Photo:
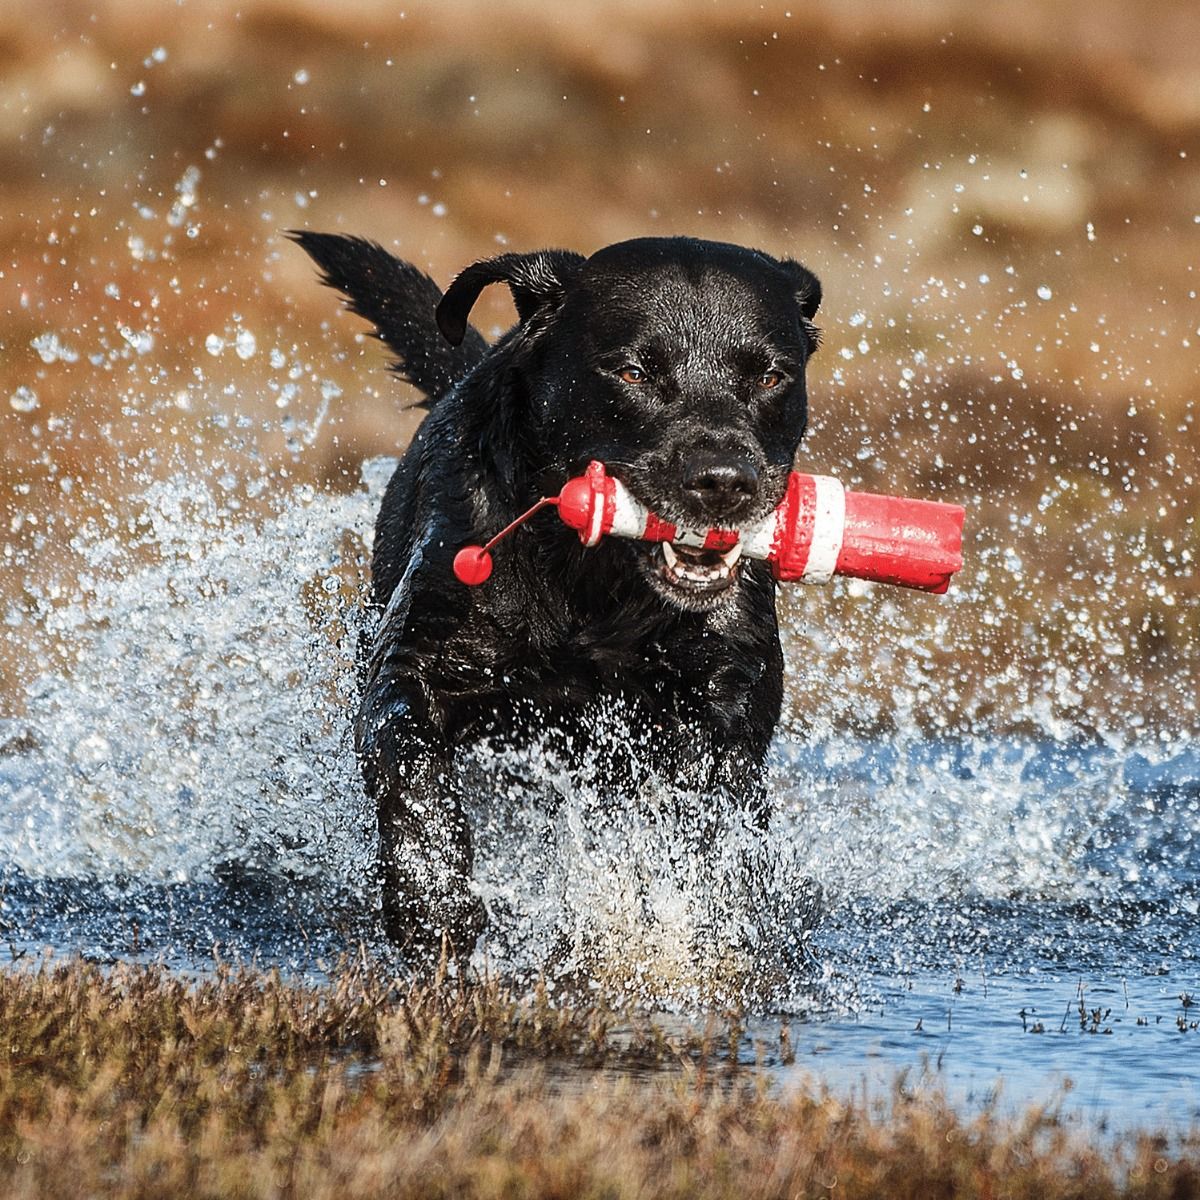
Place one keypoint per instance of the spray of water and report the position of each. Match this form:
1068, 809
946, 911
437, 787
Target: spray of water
203, 735
201, 740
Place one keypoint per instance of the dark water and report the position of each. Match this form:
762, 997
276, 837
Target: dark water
1000, 914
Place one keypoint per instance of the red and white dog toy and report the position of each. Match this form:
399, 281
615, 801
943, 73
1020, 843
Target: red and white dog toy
817, 531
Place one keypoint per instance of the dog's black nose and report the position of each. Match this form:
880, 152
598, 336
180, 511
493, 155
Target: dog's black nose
719, 486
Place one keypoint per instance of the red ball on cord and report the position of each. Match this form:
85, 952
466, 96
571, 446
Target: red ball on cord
576, 500
472, 565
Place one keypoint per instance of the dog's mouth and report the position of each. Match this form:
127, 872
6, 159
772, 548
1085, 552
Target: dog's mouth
697, 570
691, 578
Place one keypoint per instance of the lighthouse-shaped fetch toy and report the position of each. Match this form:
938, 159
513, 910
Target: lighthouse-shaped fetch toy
817, 531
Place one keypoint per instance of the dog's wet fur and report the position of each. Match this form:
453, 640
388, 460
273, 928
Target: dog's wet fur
679, 364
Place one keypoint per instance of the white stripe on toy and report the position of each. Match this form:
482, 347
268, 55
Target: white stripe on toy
759, 538
629, 515
595, 525
829, 527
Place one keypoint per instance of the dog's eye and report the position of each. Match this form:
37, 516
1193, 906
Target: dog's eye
769, 380
631, 374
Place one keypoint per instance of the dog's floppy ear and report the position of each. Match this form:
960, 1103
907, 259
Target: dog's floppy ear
537, 282
808, 295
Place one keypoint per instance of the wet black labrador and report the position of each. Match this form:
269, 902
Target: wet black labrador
680, 365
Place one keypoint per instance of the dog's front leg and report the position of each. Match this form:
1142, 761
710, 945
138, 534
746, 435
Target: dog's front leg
425, 850
424, 840
745, 698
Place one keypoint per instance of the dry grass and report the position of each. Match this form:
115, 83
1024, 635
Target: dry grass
136, 1083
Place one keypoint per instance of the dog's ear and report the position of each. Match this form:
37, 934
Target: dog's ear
537, 281
807, 289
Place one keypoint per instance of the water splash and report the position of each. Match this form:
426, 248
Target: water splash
195, 759
671, 896
202, 739
204, 718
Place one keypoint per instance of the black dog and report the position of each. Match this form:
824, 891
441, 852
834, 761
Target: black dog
680, 365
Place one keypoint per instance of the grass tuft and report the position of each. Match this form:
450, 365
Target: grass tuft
135, 1082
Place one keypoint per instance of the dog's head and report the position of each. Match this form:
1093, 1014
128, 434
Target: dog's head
679, 364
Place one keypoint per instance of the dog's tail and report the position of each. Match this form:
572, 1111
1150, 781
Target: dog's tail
399, 300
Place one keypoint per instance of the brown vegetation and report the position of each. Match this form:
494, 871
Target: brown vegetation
133, 1082
906, 153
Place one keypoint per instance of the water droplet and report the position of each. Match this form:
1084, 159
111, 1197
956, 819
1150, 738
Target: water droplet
23, 400
1044, 293
141, 340
51, 350
245, 344
92, 750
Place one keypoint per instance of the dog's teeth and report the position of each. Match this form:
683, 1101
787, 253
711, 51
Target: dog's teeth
683, 568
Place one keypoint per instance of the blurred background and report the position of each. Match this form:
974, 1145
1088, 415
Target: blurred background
1003, 203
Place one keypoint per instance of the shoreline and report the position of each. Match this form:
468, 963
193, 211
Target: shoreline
135, 1081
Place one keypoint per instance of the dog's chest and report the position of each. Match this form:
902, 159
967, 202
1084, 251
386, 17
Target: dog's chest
688, 674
